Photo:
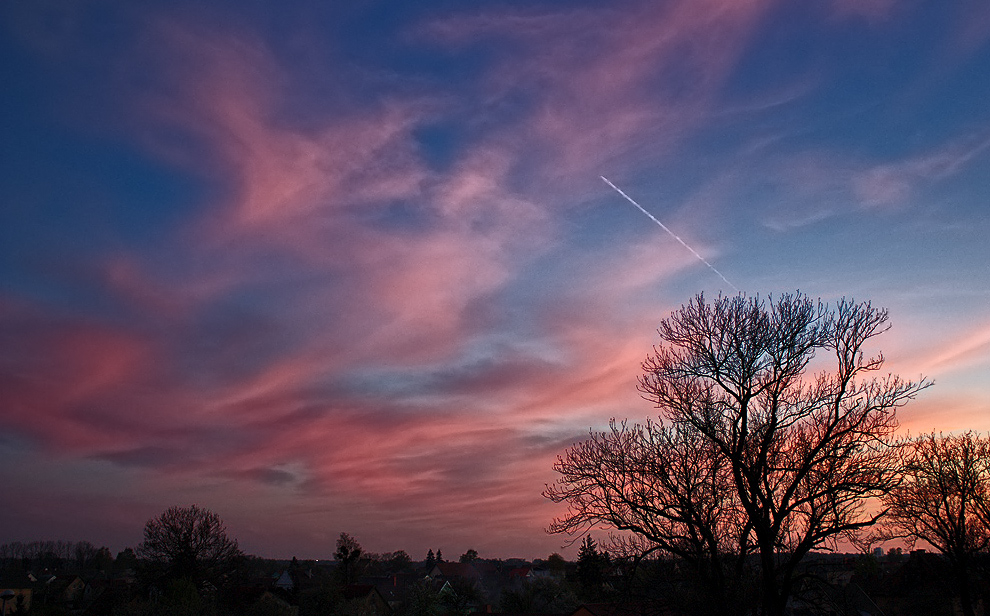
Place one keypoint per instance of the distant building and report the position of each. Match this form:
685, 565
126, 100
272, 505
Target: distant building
449, 571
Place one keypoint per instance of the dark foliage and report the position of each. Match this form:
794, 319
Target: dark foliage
592, 569
348, 555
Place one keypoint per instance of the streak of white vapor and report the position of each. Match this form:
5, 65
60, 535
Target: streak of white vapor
671, 233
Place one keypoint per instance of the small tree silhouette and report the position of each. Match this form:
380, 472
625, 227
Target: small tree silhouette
348, 554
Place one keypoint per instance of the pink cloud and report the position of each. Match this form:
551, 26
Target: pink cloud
228, 90
65, 390
960, 352
946, 411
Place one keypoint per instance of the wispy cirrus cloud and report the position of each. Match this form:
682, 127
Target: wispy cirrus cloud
820, 184
894, 183
588, 87
221, 371
394, 297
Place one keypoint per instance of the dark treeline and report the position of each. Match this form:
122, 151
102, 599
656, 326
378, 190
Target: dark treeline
188, 564
56, 554
621, 582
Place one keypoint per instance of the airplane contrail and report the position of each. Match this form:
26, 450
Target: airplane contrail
671, 233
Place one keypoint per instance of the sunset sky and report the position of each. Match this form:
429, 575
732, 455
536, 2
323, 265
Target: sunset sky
330, 267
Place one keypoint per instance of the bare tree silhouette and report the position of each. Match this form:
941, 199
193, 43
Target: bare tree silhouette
753, 454
189, 542
944, 500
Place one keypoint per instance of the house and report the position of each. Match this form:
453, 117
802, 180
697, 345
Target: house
15, 593
521, 573
104, 597
259, 598
394, 588
62, 589
285, 582
365, 600
450, 571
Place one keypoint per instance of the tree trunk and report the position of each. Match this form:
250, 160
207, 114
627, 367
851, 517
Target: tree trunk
773, 603
965, 596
